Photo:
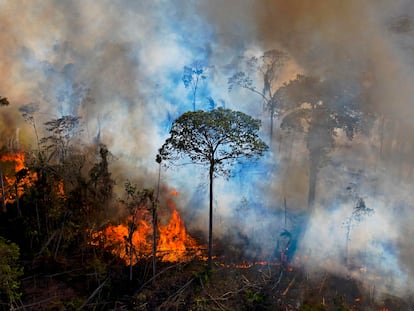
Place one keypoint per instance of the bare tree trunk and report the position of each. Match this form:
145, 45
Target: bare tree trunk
38, 218
272, 111
130, 260
210, 229
348, 238
382, 125
3, 192
131, 230
155, 222
195, 93
313, 172
154, 238
60, 236
16, 188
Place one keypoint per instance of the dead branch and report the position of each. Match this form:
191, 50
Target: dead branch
35, 303
289, 286
216, 302
266, 276
47, 243
96, 291
278, 280
157, 275
174, 297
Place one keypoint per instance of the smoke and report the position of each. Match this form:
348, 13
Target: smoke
118, 65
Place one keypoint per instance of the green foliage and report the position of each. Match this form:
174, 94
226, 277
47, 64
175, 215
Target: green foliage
318, 307
216, 138
10, 271
253, 297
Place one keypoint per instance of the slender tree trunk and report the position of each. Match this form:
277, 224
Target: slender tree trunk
348, 238
38, 218
37, 136
16, 187
131, 231
155, 222
313, 172
130, 261
154, 238
210, 228
195, 94
272, 111
3, 193
382, 130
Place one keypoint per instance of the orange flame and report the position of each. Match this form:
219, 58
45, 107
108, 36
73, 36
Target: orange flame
174, 244
22, 181
116, 239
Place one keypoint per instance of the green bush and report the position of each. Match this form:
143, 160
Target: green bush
10, 271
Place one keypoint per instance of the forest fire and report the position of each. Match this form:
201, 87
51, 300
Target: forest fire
17, 177
174, 244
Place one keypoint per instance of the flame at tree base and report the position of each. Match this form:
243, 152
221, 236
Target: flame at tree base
174, 244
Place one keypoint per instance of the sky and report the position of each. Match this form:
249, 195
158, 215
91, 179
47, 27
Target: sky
118, 65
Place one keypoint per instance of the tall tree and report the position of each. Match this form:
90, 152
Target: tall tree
3, 102
28, 112
318, 108
192, 76
268, 67
215, 139
62, 132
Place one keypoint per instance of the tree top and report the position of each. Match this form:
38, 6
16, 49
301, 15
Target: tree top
218, 137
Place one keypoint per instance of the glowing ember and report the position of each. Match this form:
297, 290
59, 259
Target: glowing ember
60, 189
20, 179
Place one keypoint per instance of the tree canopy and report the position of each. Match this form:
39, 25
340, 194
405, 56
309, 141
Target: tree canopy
218, 137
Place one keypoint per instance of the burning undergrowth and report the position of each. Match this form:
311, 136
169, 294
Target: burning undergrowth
134, 233
17, 177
